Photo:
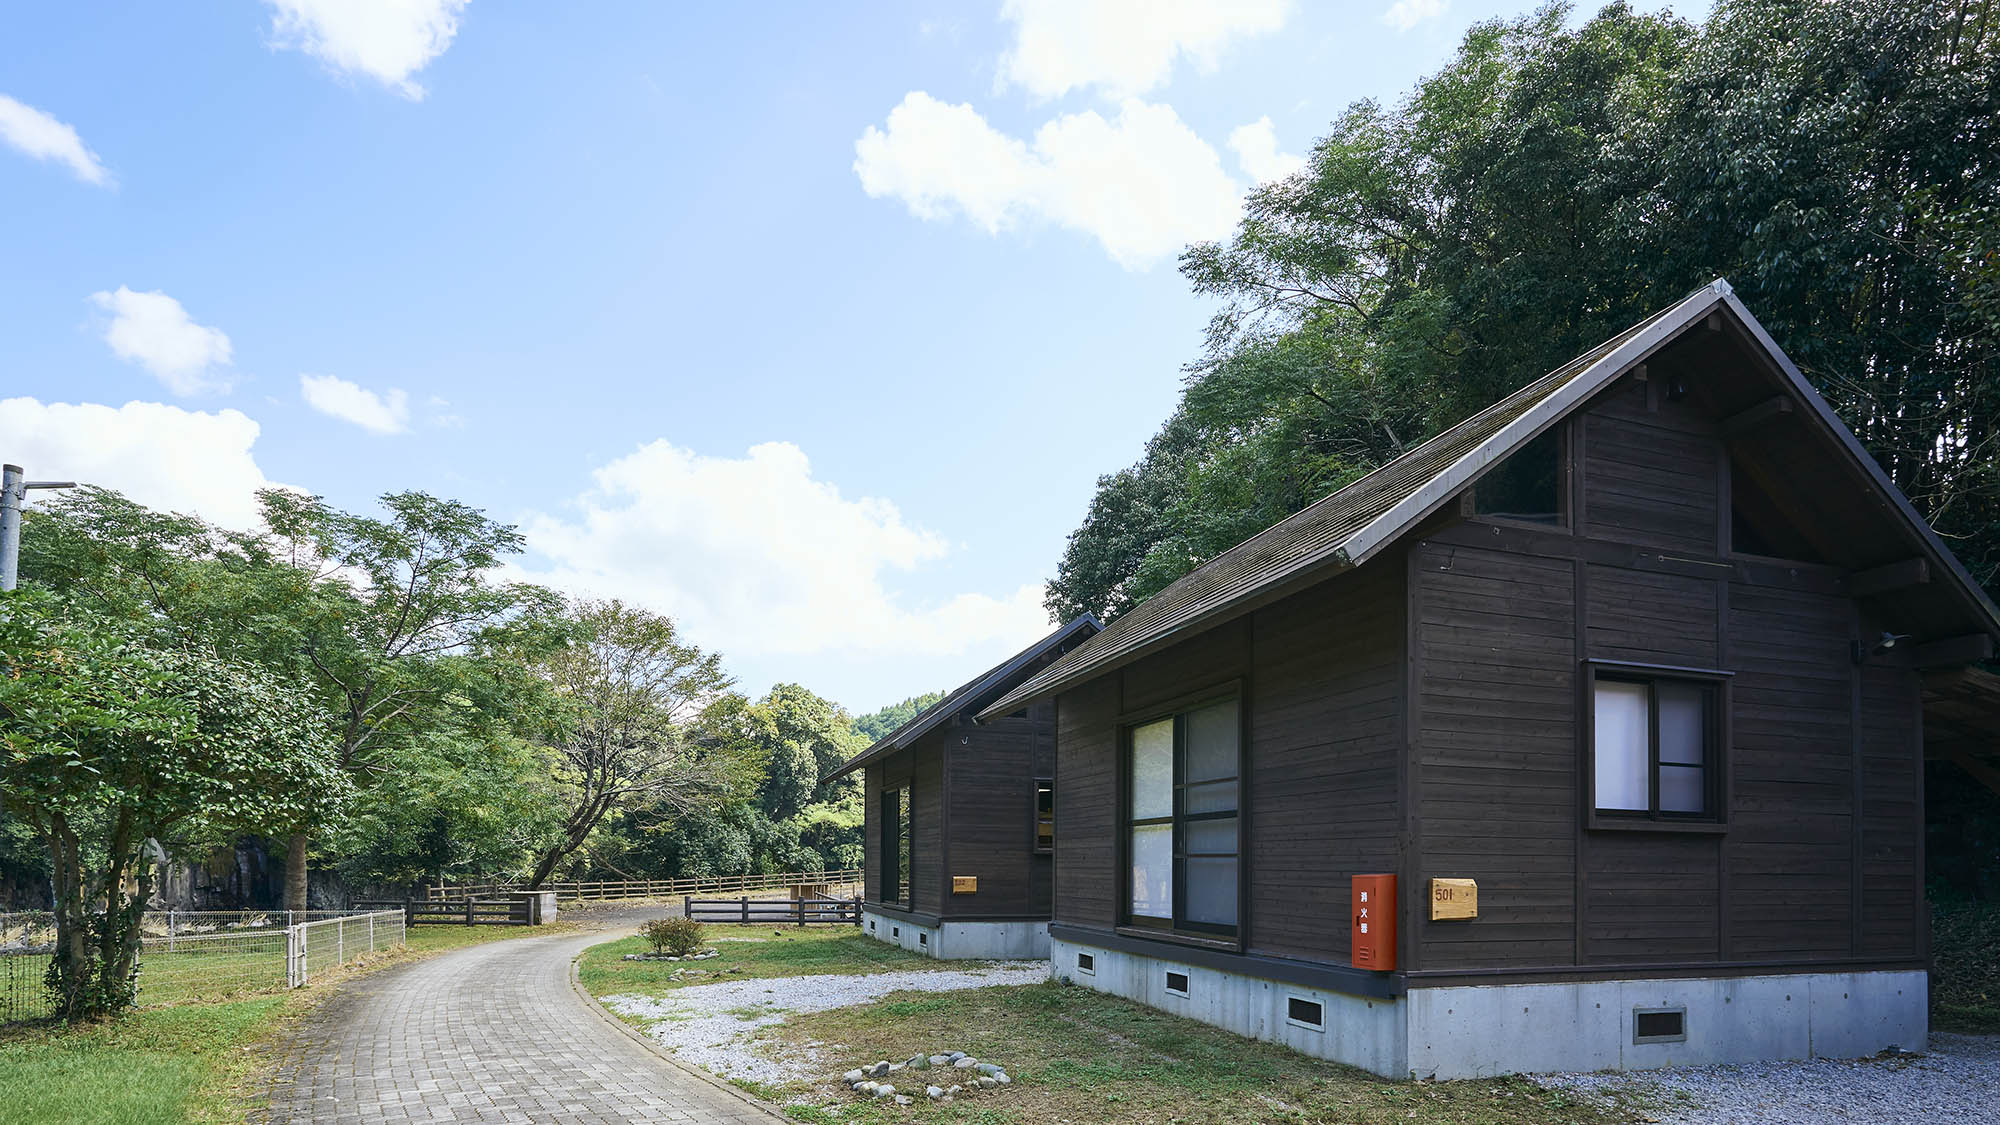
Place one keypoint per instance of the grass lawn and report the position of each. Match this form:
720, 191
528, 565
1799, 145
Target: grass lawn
190, 1061
747, 953
1077, 1055
1965, 988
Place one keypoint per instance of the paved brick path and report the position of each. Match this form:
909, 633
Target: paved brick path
489, 1033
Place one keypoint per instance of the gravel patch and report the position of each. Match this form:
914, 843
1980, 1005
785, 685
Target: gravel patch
712, 1025
1957, 1081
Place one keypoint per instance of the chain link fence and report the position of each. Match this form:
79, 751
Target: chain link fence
201, 955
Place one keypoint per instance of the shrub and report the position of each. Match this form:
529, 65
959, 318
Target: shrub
677, 936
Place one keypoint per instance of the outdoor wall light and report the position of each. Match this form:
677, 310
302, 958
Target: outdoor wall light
1884, 644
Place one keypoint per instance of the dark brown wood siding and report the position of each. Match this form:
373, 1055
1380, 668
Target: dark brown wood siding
1325, 721
1818, 860
1321, 674
1086, 814
924, 774
992, 791
1495, 753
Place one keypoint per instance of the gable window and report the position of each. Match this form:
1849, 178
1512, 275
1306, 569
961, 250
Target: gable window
897, 840
1528, 485
1181, 820
1655, 745
1045, 814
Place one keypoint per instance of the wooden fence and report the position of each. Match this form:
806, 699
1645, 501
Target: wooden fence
774, 911
802, 884
465, 912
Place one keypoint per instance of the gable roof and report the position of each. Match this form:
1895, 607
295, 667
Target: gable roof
1008, 673
1356, 523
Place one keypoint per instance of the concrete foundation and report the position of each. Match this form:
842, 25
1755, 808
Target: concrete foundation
1479, 1030
961, 941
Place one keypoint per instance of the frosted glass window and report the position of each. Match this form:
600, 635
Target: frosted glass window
1683, 722
1682, 789
1211, 837
1153, 770
1212, 735
1624, 736
1153, 871
1211, 891
1213, 796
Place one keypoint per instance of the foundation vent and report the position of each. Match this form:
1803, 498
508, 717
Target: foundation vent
1309, 1014
923, 938
1177, 984
1659, 1025
1086, 963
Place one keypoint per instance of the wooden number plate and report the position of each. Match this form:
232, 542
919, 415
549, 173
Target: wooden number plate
964, 884
1454, 898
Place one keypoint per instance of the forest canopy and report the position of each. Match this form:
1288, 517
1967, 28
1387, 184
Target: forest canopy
1553, 184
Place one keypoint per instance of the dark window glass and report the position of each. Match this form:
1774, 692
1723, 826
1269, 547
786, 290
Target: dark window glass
1527, 485
897, 841
1045, 815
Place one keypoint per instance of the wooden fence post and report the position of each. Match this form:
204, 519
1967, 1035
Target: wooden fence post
468, 910
687, 906
746, 909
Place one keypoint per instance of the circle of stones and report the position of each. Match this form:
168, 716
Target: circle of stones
967, 1076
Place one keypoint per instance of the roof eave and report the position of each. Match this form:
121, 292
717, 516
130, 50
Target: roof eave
926, 721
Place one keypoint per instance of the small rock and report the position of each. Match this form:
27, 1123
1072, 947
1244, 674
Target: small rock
1002, 1078
894, 1067
940, 1060
933, 1092
918, 1062
879, 1069
988, 1068
884, 1090
851, 1077
903, 1099
964, 1063
866, 1087
954, 1056
953, 1090
986, 1083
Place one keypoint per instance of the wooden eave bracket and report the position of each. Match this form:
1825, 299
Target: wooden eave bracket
1981, 772
1743, 421
1969, 649
1891, 576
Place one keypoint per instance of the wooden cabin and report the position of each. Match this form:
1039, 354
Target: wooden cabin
1585, 735
961, 818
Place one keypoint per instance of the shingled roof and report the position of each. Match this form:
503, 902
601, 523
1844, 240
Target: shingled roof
1351, 526
974, 691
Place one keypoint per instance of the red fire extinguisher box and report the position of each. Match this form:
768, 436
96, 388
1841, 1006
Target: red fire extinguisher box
1374, 935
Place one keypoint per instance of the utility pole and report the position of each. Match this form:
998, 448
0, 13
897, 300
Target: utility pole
13, 490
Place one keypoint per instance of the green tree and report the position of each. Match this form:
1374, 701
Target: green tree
874, 725
114, 742
397, 600
626, 689
1552, 185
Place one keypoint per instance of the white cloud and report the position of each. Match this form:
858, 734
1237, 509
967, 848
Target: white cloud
155, 332
387, 413
1143, 184
160, 455
43, 137
1126, 47
388, 40
1406, 14
1256, 148
760, 555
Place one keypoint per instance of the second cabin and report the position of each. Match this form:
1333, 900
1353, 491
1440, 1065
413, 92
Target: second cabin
961, 818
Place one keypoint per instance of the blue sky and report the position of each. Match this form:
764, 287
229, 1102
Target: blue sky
812, 325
